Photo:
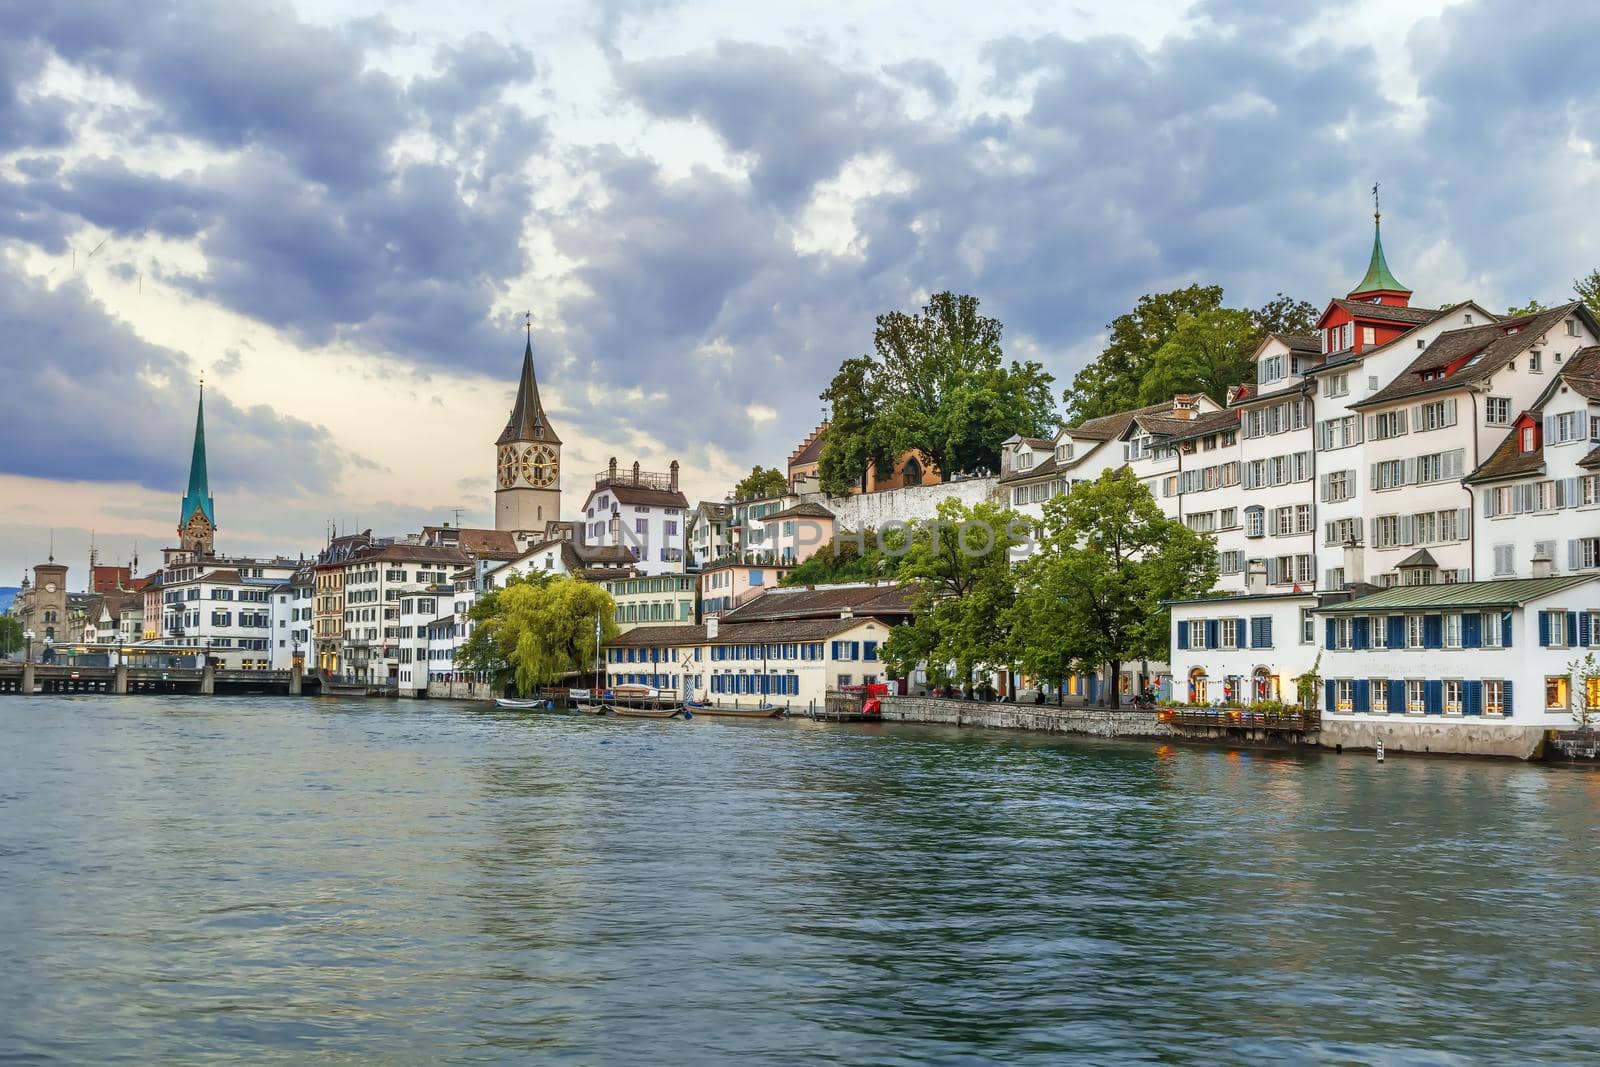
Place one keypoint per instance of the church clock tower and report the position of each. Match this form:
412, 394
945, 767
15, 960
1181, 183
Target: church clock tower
527, 460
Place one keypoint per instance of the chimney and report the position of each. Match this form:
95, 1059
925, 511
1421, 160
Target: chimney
1543, 565
674, 470
1255, 576
1354, 564
847, 612
1183, 406
635, 472
711, 627
611, 470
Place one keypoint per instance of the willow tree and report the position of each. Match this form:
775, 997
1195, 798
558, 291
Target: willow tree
538, 630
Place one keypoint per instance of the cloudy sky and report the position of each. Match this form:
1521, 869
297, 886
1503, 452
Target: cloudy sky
337, 212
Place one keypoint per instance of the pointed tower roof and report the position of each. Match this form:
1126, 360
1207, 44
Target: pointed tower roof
198, 496
527, 422
1378, 279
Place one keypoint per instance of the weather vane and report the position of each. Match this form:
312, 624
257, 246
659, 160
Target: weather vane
528, 322
1375, 210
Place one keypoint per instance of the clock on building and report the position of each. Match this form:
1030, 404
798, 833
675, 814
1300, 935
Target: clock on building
49, 587
508, 466
539, 466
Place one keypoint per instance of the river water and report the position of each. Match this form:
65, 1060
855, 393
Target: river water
187, 879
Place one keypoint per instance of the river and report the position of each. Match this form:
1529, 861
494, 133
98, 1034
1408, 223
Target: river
189, 879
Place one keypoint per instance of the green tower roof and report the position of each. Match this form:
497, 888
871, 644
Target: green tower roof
1378, 279
198, 495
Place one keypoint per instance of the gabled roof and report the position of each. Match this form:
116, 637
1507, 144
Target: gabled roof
1111, 427
1362, 309
485, 544
1508, 460
1582, 372
806, 510
1298, 342
1044, 467
628, 493
823, 601
1505, 593
734, 633
1591, 462
811, 450
1484, 349
1420, 558
1208, 423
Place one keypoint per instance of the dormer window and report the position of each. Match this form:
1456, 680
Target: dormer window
1271, 370
1530, 439
1024, 461
1064, 451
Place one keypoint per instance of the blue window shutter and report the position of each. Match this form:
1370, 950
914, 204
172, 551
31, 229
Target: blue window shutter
1397, 631
1544, 629
1470, 628
1329, 629
1397, 696
1472, 698
1433, 631
1211, 633
1266, 633
1505, 697
1433, 697
1363, 694
1359, 629
1572, 626
1183, 635
1583, 628
1505, 630
1327, 688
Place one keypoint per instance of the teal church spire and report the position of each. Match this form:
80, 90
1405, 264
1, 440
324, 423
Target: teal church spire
1378, 279
198, 496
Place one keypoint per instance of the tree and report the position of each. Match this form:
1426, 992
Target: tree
957, 570
1587, 289
538, 630
10, 635
1532, 307
1107, 560
1585, 673
761, 482
1284, 314
1208, 352
1115, 380
842, 560
936, 384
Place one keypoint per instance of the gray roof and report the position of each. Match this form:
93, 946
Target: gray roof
1505, 593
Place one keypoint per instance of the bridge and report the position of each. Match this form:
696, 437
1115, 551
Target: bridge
25, 678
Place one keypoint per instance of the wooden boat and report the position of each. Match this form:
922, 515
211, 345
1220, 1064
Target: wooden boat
645, 702
525, 705
668, 711
753, 711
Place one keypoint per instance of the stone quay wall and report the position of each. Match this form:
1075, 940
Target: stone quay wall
1456, 737
1043, 718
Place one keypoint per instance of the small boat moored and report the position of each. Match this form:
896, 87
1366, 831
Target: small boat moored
722, 711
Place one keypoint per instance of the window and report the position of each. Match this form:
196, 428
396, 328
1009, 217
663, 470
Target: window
1572, 327
1229, 633
1414, 631
1535, 362
1308, 627
1380, 696
1489, 632
1228, 519
1497, 410
1255, 521
1024, 461
1452, 631
1452, 696
1378, 631
1333, 578
1416, 697
1556, 692
1338, 485
1336, 385
1434, 416
1271, 370
1583, 553
1494, 696
1230, 562
1388, 424
1344, 695
1553, 627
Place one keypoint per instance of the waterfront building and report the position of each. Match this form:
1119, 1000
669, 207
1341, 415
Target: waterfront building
374, 581
223, 607
327, 606
41, 606
643, 511
527, 460
652, 598
1243, 647
1538, 492
418, 642
794, 661
728, 583
1465, 667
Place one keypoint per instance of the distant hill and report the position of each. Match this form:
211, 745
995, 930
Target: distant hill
8, 593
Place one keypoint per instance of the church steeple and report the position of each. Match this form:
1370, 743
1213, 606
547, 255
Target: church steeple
197, 517
1378, 278
527, 422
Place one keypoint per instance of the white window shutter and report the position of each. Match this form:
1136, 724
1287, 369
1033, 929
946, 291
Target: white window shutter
1358, 528
1463, 523
1572, 555
1450, 411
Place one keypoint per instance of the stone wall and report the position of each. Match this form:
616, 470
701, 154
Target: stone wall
1456, 737
1045, 718
461, 691
914, 503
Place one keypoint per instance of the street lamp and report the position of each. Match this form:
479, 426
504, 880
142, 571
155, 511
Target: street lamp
28, 636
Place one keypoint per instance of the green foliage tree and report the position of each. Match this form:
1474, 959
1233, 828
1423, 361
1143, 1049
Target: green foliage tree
10, 635
1115, 380
1207, 352
1532, 307
1585, 697
936, 384
1284, 314
958, 573
761, 482
1587, 289
843, 560
1107, 559
537, 630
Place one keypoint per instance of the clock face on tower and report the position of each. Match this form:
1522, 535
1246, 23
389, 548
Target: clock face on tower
49, 587
508, 466
539, 466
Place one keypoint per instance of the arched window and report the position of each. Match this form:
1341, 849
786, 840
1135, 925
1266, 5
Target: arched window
912, 472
